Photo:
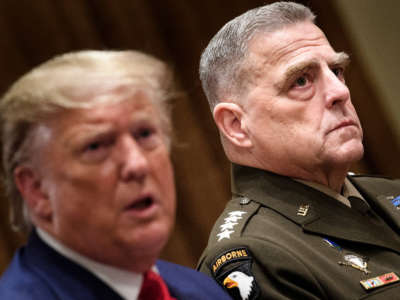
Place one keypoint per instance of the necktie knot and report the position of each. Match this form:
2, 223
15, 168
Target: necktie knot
154, 288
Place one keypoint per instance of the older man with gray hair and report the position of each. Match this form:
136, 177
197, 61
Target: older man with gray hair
298, 226
86, 157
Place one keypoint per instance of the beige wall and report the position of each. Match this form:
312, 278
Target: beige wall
373, 27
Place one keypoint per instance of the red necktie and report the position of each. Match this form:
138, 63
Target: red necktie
154, 288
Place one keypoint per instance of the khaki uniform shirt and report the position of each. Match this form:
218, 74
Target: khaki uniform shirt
281, 239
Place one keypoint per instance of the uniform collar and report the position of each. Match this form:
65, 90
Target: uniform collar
348, 190
127, 284
315, 211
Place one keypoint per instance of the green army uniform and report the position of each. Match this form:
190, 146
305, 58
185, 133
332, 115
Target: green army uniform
281, 239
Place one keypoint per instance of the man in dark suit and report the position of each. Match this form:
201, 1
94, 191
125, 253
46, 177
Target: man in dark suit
86, 144
298, 226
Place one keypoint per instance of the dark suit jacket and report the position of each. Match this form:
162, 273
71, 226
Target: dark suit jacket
39, 272
295, 240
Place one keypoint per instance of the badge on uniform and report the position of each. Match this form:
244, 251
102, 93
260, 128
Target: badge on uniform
356, 261
379, 281
232, 270
395, 201
350, 259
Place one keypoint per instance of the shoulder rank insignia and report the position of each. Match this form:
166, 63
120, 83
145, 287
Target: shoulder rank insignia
229, 224
236, 278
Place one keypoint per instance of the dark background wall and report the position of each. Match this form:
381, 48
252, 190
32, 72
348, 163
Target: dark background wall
176, 31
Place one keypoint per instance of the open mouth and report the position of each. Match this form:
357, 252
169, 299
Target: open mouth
141, 204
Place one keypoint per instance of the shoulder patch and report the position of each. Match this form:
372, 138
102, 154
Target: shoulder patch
238, 280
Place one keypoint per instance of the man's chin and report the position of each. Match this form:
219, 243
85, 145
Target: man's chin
347, 154
151, 239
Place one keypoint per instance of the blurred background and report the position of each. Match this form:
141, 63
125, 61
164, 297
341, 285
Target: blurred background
176, 31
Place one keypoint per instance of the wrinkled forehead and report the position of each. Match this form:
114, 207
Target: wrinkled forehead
270, 47
268, 50
133, 108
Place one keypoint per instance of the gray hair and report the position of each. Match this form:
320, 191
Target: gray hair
221, 61
66, 82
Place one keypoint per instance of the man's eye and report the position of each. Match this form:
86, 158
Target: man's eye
148, 137
97, 146
338, 71
301, 81
96, 151
144, 133
93, 146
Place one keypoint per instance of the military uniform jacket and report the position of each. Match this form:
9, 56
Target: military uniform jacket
280, 239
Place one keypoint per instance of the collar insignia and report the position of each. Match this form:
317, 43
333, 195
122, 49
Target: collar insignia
303, 210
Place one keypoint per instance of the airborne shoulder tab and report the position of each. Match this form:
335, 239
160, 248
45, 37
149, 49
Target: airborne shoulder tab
230, 256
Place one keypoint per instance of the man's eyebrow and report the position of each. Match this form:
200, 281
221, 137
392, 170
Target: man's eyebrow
295, 70
84, 132
341, 59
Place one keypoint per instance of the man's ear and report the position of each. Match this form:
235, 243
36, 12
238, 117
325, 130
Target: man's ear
229, 118
30, 187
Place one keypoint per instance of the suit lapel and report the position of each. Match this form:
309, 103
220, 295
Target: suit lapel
311, 209
67, 279
383, 194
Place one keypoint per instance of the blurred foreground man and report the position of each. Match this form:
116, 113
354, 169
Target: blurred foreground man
86, 139
298, 226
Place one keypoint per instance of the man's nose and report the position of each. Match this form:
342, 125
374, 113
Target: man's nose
336, 90
134, 162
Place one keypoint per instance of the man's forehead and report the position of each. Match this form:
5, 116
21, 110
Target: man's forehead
271, 47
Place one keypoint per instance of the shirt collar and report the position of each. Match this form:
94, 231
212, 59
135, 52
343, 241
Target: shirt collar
127, 284
349, 190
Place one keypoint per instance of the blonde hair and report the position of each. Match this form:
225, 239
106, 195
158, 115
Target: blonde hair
70, 81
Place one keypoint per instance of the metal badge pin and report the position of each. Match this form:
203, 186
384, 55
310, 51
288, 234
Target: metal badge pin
303, 210
355, 261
